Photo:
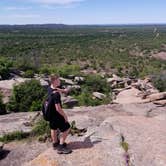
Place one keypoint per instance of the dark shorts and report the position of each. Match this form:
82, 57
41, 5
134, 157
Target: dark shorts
59, 123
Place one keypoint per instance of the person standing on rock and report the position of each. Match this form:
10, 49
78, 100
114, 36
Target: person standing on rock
58, 118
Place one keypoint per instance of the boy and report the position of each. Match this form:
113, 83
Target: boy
58, 118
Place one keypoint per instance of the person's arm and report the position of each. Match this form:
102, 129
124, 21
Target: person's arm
60, 111
63, 90
57, 102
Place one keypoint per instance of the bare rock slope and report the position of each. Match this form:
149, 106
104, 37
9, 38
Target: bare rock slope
117, 135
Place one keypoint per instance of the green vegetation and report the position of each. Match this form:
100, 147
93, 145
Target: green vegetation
67, 50
17, 135
126, 50
159, 81
41, 128
27, 96
29, 74
5, 65
125, 146
94, 83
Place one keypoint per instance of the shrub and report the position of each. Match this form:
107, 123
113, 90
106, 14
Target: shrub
29, 74
93, 83
40, 128
5, 65
159, 81
66, 70
96, 83
26, 97
85, 98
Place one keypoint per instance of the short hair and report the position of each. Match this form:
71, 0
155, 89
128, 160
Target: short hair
54, 77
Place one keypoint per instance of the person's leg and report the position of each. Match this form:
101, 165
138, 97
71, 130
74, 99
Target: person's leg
63, 149
54, 136
64, 136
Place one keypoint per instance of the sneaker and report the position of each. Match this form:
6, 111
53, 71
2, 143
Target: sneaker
65, 144
55, 145
63, 149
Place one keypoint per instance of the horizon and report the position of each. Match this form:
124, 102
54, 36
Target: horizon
82, 12
127, 24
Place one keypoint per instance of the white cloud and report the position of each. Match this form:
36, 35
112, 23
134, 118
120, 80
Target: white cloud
17, 8
26, 16
58, 2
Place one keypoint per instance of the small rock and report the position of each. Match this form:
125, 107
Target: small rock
99, 95
67, 81
71, 76
44, 83
114, 78
74, 87
79, 79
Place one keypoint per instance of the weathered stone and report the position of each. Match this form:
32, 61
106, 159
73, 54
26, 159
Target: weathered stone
16, 122
99, 95
114, 78
69, 101
106, 124
157, 96
74, 87
146, 138
129, 96
43, 82
160, 102
8, 84
67, 81
79, 79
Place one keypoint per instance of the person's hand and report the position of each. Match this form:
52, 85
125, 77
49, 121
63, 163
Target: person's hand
66, 90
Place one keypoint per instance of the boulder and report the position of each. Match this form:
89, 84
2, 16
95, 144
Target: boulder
129, 96
43, 82
16, 122
127, 81
160, 102
71, 76
8, 84
69, 101
74, 87
157, 96
114, 78
99, 95
67, 81
146, 138
79, 79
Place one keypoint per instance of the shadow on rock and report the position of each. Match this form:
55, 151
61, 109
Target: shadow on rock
82, 144
3, 154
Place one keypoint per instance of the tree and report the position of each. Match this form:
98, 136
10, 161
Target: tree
27, 96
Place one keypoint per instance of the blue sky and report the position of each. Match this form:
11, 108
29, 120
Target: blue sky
82, 11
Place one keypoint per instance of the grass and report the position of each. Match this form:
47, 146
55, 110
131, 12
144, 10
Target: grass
41, 130
17, 135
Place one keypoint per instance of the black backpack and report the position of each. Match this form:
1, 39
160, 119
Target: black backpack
46, 107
